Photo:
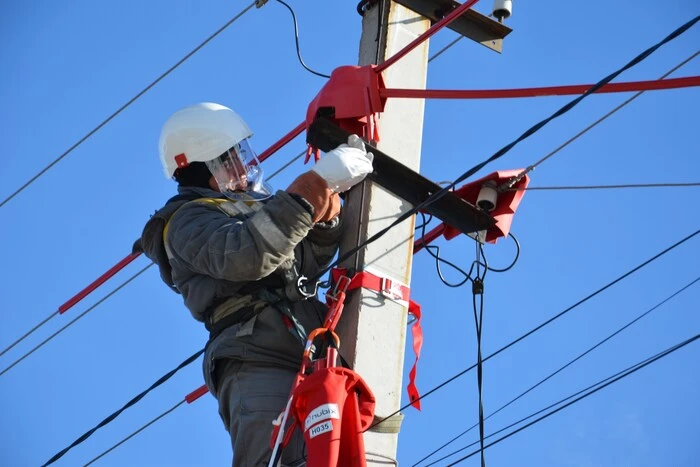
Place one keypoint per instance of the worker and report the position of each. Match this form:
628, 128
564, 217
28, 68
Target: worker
238, 253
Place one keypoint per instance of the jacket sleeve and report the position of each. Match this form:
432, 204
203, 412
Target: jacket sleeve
324, 239
206, 241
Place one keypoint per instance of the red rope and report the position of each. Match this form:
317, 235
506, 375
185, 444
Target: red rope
97, 282
426, 35
652, 85
284, 140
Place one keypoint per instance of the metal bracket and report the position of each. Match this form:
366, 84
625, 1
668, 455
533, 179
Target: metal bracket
412, 187
471, 24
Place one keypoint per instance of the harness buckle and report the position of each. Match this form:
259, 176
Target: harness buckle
390, 289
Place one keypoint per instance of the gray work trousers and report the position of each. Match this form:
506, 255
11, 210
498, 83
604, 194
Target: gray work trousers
251, 395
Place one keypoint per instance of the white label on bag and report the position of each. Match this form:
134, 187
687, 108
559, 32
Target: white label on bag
322, 412
321, 428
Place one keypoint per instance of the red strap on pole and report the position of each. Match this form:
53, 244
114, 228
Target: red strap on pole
417, 332
398, 292
97, 282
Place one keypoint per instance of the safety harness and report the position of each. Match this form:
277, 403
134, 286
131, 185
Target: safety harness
276, 290
331, 405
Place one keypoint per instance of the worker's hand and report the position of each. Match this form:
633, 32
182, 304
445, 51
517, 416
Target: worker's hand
333, 209
315, 191
345, 166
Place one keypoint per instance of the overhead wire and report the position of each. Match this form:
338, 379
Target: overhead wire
143, 427
597, 387
607, 187
296, 40
500, 153
119, 287
127, 104
673, 35
546, 323
560, 369
41, 344
133, 401
604, 117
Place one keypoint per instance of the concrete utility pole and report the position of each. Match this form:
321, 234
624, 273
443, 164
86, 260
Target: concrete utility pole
373, 329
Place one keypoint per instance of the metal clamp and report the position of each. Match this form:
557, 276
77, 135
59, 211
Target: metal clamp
297, 291
390, 289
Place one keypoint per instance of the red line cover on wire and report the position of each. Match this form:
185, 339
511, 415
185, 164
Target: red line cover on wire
426, 35
97, 282
652, 85
196, 394
284, 140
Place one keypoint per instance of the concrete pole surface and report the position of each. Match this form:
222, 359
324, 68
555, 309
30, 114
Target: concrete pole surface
373, 328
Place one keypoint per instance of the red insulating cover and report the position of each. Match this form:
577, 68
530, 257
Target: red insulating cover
333, 406
354, 94
507, 202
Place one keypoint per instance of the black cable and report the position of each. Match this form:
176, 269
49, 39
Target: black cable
296, 40
123, 107
500, 153
124, 440
436, 254
615, 379
547, 322
515, 260
478, 289
133, 401
554, 373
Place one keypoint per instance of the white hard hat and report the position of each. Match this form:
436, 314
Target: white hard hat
199, 133
217, 136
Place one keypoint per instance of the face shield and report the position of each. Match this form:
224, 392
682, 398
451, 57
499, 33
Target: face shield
239, 174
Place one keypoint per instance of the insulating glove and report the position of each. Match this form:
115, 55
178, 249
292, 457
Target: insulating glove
345, 166
313, 189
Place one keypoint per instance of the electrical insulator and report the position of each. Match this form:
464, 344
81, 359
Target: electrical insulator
502, 9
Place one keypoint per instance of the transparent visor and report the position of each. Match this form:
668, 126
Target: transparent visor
239, 174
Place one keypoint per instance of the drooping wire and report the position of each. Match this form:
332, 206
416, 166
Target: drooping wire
129, 102
434, 251
556, 372
41, 344
596, 387
133, 401
545, 323
500, 153
296, 41
601, 119
478, 291
515, 260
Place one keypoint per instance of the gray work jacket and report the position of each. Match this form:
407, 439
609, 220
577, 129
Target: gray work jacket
214, 249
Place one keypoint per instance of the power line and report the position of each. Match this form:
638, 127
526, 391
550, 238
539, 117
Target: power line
28, 333
554, 373
41, 344
603, 118
547, 322
133, 401
534, 129
123, 107
296, 41
607, 187
104, 453
600, 385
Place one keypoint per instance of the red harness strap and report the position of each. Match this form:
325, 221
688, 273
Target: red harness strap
400, 293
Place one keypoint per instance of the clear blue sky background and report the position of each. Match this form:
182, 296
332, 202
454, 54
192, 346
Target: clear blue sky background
67, 65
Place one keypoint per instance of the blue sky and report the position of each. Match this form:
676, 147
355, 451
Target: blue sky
68, 66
